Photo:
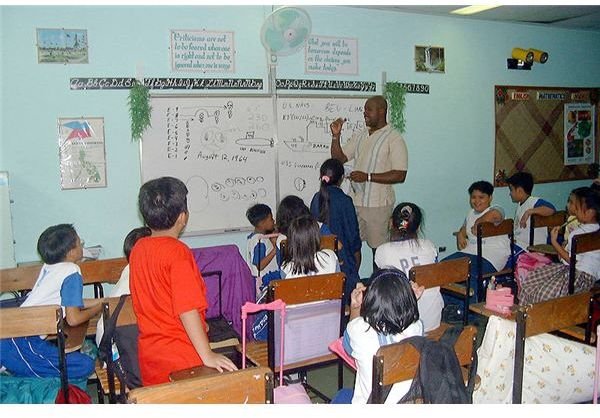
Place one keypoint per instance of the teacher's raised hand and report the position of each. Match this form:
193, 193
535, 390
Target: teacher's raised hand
336, 127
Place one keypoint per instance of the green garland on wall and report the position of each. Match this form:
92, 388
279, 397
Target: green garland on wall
395, 95
139, 109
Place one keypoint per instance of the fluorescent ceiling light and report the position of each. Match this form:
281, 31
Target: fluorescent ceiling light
469, 10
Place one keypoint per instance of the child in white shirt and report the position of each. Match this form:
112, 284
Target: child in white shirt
551, 281
407, 250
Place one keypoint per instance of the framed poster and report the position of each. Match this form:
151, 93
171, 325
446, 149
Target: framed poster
201, 50
62, 46
579, 130
81, 152
331, 55
430, 59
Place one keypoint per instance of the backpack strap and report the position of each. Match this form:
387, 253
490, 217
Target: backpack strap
449, 337
105, 347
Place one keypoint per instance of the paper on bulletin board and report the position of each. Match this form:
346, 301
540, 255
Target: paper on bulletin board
579, 133
82, 154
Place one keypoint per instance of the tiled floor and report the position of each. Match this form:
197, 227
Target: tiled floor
325, 380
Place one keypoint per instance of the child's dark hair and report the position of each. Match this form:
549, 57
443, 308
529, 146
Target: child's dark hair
133, 237
257, 213
161, 202
590, 198
290, 208
482, 186
303, 242
389, 304
332, 172
55, 242
406, 221
523, 180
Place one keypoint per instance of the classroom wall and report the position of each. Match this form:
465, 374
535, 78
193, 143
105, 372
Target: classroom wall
449, 133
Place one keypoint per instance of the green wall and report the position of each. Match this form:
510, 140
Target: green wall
449, 133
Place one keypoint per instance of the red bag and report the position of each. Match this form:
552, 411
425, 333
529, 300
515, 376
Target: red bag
76, 395
290, 394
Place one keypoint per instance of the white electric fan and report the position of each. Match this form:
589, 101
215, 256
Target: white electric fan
285, 31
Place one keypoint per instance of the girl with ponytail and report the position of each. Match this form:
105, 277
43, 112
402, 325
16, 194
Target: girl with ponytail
334, 208
406, 250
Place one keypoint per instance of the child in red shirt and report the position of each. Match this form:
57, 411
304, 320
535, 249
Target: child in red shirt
167, 290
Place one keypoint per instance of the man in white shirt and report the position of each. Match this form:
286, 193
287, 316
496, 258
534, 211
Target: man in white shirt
380, 161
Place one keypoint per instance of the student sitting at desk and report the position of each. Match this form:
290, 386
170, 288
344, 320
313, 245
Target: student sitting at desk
167, 290
290, 208
406, 250
551, 281
122, 286
59, 283
304, 256
383, 313
262, 250
520, 186
496, 250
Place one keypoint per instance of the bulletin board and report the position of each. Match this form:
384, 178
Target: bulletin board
530, 132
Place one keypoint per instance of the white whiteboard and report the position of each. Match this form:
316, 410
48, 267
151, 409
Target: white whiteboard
304, 138
7, 246
232, 153
222, 148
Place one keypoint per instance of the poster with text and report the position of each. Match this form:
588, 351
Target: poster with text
579, 134
82, 154
201, 50
331, 55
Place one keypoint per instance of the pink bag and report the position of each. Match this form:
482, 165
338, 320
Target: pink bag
528, 262
290, 394
338, 348
499, 300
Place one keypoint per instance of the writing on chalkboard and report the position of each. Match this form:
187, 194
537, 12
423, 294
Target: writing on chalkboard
222, 148
305, 138
231, 152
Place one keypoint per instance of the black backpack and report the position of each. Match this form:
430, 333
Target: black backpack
126, 368
438, 379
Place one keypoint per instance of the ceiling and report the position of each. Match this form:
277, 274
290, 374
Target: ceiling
556, 16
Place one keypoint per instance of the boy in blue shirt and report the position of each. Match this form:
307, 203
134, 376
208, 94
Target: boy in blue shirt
59, 283
262, 252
